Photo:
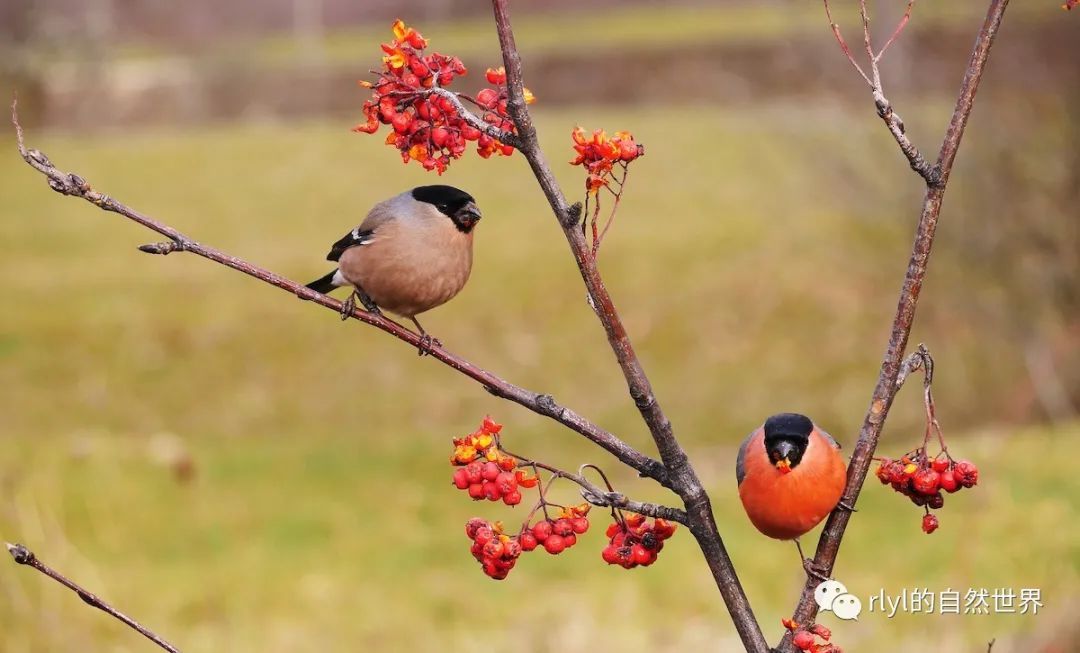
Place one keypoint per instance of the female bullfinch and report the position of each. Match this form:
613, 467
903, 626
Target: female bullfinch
411, 253
791, 476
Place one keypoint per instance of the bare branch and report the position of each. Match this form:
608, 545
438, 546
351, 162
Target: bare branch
886, 388
24, 556
683, 479
74, 185
884, 108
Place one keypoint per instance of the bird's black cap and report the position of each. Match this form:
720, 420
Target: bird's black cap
446, 198
788, 425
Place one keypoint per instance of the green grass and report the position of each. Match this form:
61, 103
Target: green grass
749, 271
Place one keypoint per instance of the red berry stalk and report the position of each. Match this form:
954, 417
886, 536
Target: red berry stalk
916, 475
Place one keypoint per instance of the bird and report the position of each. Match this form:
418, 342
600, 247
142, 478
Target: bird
791, 476
411, 253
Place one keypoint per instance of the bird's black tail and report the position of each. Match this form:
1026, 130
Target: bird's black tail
323, 284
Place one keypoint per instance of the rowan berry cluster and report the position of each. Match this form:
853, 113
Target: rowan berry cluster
556, 535
598, 154
814, 638
428, 127
634, 541
922, 480
484, 471
496, 551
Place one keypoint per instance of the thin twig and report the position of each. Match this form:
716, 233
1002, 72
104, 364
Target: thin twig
885, 110
681, 475
76, 186
896, 32
25, 556
886, 387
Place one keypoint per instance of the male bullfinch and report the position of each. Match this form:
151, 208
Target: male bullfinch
791, 476
411, 253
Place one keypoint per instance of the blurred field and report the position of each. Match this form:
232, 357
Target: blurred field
757, 272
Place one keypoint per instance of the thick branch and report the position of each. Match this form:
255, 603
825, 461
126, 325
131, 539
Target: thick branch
886, 388
71, 184
683, 479
24, 556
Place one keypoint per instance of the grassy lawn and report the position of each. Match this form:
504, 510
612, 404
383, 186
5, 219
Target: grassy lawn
749, 270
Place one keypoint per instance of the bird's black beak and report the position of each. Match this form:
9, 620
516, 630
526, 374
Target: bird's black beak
469, 214
784, 455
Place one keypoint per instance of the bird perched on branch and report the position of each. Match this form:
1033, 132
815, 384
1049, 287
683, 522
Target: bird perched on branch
791, 476
411, 253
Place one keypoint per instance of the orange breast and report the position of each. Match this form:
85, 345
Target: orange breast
785, 506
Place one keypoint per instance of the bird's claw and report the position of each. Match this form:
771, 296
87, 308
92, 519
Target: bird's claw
812, 570
347, 308
427, 345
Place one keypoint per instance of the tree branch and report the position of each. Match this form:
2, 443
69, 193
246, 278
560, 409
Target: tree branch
886, 388
683, 479
76, 186
24, 556
885, 111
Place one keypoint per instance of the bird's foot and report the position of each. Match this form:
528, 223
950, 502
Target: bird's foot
846, 506
369, 304
427, 345
347, 308
813, 571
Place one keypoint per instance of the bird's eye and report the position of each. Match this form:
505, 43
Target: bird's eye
442, 207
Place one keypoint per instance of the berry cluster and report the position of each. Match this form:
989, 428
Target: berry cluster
494, 550
557, 535
428, 127
598, 154
922, 480
484, 471
815, 638
634, 541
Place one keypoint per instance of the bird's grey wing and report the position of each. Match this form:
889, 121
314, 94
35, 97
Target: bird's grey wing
740, 462
379, 215
828, 437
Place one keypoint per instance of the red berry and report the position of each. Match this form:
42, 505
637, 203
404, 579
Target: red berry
610, 554
487, 98
491, 491
402, 122
484, 534
663, 528
554, 544
925, 481
512, 498
641, 555
929, 523
948, 481
474, 470
940, 464
528, 541
511, 548
804, 640
580, 524
563, 527
883, 472
821, 631
967, 474
439, 136
935, 501
493, 548
542, 530
474, 525
612, 529
506, 482
490, 471
461, 478
470, 133
476, 491
570, 540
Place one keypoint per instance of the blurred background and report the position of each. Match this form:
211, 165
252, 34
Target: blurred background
243, 472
